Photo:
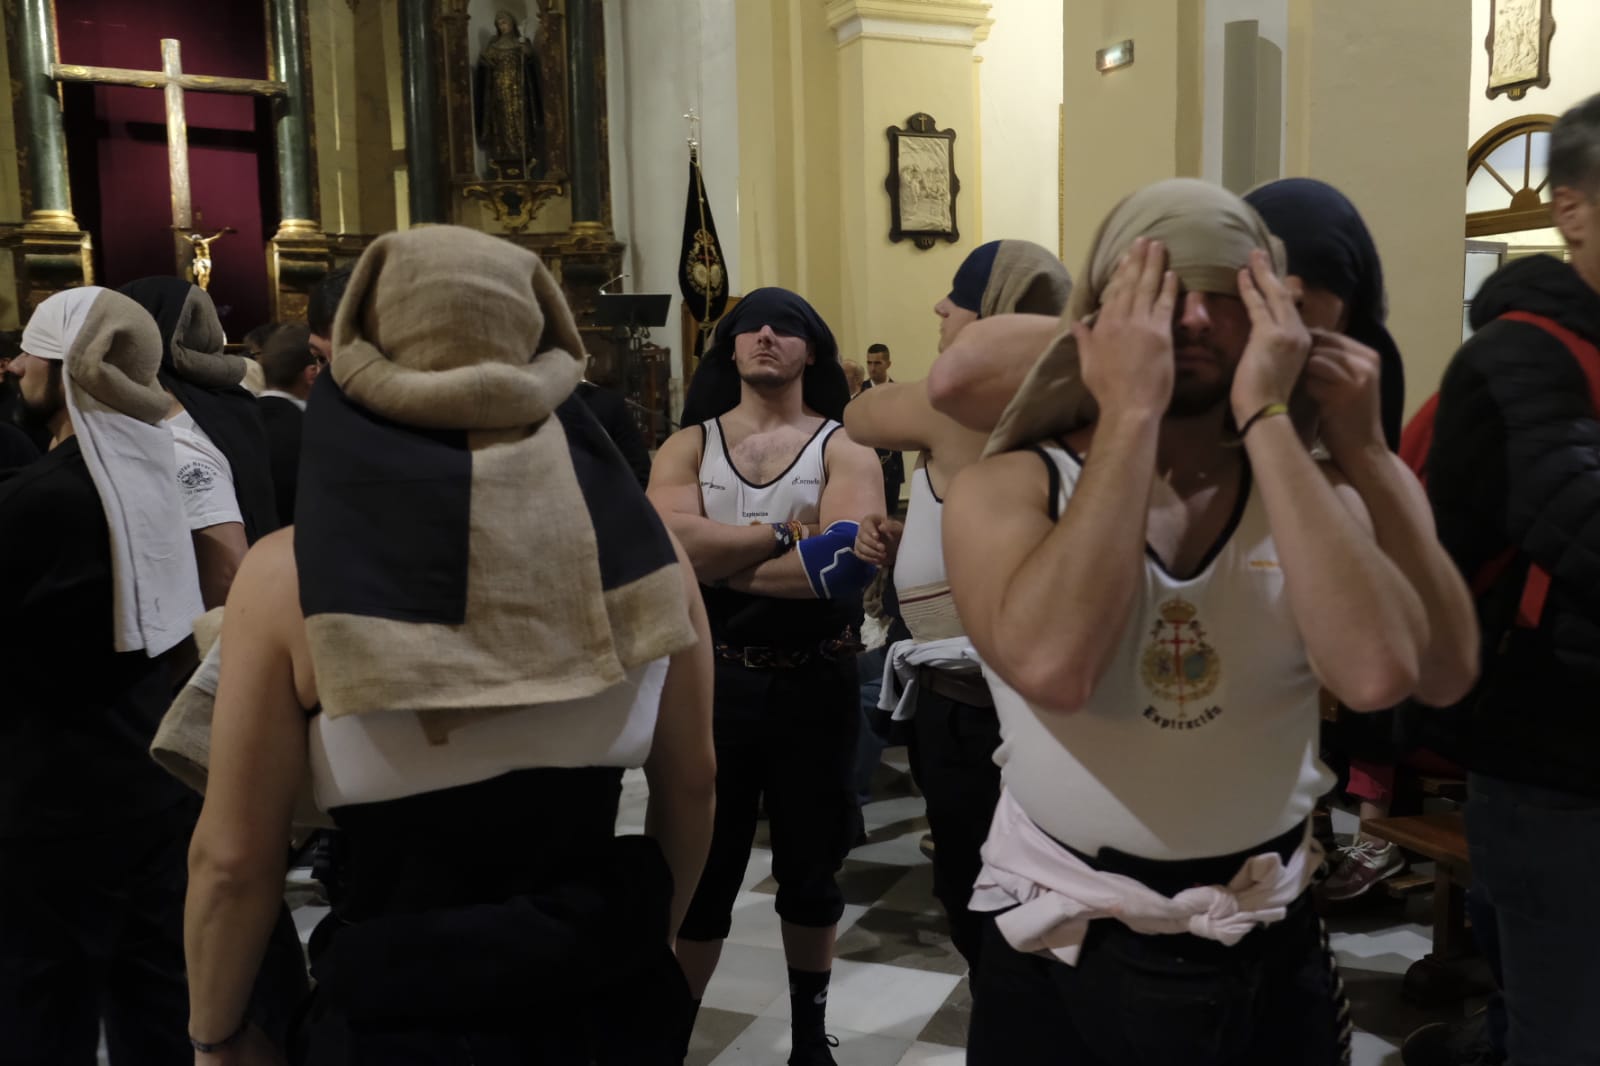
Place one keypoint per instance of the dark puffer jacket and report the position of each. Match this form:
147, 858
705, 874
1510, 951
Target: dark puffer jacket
1516, 461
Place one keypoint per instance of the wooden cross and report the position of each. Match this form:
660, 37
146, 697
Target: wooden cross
174, 82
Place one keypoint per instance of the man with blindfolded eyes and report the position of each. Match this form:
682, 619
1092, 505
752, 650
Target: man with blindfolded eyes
1158, 587
766, 495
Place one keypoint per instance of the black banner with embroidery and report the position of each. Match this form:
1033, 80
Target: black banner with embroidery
702, 272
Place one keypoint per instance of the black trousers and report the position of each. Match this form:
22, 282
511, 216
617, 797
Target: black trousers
1273, 999
952, 748
788, 736
91, 927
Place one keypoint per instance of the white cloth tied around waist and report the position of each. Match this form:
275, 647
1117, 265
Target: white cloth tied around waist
1054, 894
899, 691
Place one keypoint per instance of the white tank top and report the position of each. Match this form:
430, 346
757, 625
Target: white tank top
794, 495
367, 758
919, 575
1201, 738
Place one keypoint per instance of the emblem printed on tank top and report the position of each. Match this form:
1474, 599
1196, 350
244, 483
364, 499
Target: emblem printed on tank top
712, 486
1180, 669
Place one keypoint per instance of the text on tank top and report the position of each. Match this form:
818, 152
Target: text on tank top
1201, 737
794, 495
919, 573
368, 758
739, 618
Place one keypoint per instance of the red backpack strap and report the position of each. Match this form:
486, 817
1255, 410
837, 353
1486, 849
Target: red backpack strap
1537, 588
1417, 438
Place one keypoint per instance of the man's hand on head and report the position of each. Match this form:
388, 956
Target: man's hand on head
1279, 342
1126, 354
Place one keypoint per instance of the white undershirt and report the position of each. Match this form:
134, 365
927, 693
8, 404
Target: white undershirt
1200, 739
205, 480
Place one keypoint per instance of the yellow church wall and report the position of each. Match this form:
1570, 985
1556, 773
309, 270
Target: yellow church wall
1019, 111
1376, 107
351, 71
1126, 128
890, 288
1574, 73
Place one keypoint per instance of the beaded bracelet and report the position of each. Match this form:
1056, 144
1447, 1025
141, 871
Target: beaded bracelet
1266, 412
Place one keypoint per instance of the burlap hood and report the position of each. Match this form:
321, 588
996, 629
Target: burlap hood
468, 539
191, 333
1026, 279
1209, 233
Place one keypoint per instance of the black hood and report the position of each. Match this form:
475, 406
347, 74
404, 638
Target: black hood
715, 389
1545, 286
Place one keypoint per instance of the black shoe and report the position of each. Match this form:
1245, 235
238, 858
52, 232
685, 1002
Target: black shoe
814, 1052
1462, 1043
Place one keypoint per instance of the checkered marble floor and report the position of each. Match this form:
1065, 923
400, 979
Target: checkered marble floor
899, 996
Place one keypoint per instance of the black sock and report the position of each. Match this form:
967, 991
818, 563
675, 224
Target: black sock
808, 1003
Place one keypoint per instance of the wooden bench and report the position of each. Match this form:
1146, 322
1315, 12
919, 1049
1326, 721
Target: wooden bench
1441, 838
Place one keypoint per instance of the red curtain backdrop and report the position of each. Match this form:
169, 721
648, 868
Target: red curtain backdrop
117, 144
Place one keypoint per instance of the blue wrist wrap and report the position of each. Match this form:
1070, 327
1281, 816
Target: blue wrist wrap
831, 564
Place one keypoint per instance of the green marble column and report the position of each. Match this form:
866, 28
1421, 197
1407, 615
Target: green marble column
585, 45
293, 125
420, 92
46, 144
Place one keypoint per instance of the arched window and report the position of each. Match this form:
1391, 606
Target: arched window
1508, 177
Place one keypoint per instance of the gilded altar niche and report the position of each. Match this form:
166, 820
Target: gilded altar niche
509, 111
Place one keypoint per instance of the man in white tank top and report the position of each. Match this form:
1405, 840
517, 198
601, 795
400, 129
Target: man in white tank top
954, 731
1157, 593
765, 493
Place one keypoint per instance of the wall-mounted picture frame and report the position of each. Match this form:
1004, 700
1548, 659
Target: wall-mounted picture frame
1519, 47
922, 182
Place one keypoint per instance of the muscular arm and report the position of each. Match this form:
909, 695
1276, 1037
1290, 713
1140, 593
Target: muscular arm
716, 550
1015, 574
854, 491
682, 767
974, 379
895, 416
1402, 522
258, 764
218, 552
1362, 622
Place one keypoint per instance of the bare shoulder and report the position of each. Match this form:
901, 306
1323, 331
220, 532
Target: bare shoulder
1016, 478
268, 576
680, 452
842, 450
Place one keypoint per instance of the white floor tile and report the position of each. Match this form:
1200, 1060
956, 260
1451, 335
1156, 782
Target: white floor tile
749, 980
306, 919
766, 1042
869, 997
890, 811
921, 1054
758, 869
1388, 951
903, 850
1369, 1050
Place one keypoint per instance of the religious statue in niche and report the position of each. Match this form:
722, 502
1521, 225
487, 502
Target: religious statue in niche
1519, 46
922, 182
508, 103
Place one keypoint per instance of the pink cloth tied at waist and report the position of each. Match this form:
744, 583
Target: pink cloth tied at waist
1054, 895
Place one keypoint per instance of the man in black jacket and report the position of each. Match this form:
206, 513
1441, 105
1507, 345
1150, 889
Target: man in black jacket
288, 369
1514, 473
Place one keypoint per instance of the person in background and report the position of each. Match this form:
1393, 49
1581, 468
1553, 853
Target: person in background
855, 375
290, 370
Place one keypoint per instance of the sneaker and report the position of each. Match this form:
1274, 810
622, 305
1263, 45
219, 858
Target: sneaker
1360, 866
814, 1052
1459, 1043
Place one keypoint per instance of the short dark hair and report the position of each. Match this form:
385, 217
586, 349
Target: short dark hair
285, 356
871, 348
1575, 148
256, 339
325, 297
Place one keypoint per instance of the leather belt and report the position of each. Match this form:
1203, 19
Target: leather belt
964, 687
768, 657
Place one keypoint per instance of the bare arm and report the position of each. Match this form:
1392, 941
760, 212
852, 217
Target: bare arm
1342, 376
682, 767
853, 492
898, 417
258, 764
1361, 620
1010, 565
974, 379
1016, 575
715, 549
218, 551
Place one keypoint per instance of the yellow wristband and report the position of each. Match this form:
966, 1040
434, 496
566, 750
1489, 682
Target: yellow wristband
1266, 412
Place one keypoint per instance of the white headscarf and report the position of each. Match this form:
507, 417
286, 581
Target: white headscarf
109, 346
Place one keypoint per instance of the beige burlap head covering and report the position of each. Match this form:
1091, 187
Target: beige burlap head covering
1026, 279
502, 555
1209, 234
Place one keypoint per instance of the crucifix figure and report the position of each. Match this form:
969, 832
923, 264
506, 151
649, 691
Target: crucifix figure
200, 268
174, 82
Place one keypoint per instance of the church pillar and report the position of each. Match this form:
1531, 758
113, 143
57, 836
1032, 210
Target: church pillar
419, 50
1378, 106
896, 58
293, 127
54, 253
46, 144
586, 88
1126, 128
